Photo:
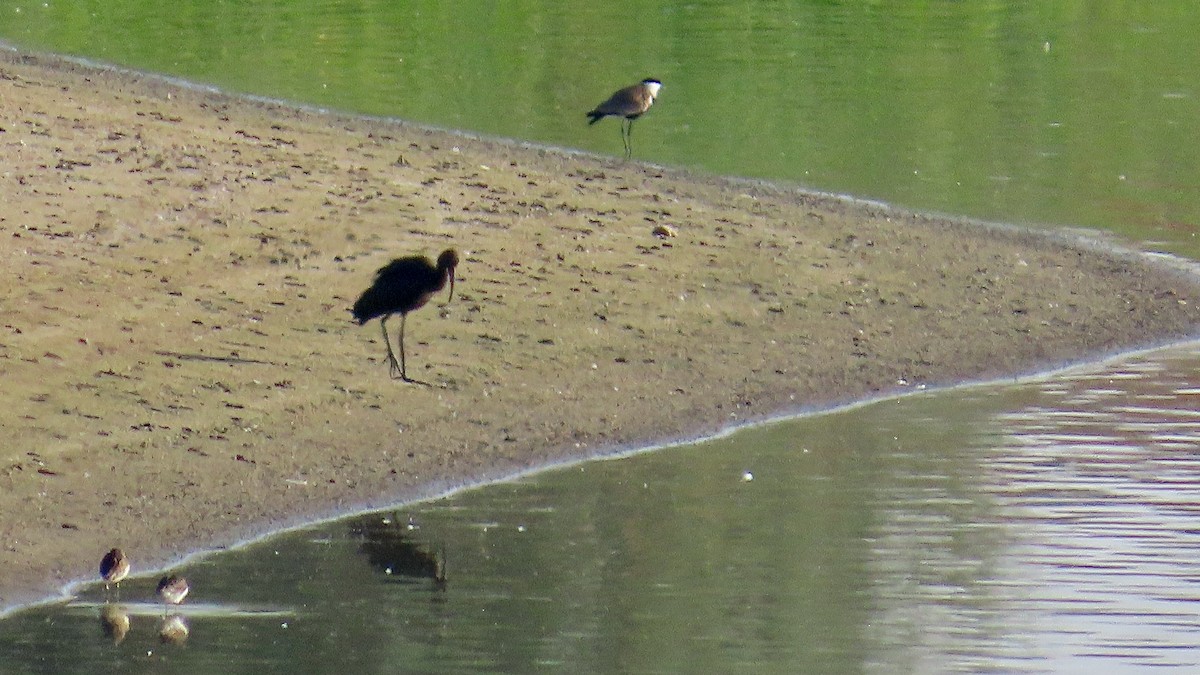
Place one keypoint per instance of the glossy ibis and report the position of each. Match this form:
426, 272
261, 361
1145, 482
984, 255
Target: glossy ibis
400, 287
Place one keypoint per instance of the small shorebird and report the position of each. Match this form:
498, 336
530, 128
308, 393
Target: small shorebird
172, 589
400, 287
630, 103
114, 567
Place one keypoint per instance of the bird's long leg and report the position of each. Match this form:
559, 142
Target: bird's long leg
392, 364
403, 372
625, 137
629, 141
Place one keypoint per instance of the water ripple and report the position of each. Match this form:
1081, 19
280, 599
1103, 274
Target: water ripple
1104, 482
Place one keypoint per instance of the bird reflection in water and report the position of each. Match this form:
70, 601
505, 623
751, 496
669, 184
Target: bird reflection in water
114, 620
390, 548
173, 630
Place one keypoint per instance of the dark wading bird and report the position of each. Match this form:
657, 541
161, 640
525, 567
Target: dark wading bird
400, 287
114, 567
629, 103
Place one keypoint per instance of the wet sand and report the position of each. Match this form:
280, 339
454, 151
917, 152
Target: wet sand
181, 372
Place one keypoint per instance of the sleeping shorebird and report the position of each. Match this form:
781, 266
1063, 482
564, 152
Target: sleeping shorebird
630, 103
114, 567
172, 589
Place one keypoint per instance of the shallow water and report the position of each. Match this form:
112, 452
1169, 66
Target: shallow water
1047, 526
1033, 527
1059, 111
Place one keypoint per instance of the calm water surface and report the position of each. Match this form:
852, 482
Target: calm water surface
1047, 526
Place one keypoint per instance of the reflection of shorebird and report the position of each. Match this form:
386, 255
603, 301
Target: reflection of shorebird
115, 622
114, 567
172, 589
400, 287
630, 103
439, 572
174, 630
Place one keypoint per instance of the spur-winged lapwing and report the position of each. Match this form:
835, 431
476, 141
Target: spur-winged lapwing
629, 103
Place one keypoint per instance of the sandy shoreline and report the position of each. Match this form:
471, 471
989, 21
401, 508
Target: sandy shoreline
181, 370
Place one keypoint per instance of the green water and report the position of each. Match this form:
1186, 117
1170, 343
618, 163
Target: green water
1061, 112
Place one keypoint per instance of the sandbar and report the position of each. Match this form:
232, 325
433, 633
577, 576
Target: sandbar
181, 371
